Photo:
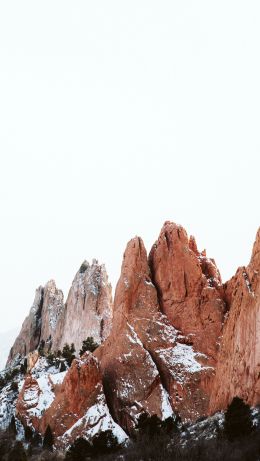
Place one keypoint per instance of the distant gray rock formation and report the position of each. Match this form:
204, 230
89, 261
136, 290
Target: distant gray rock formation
51, 323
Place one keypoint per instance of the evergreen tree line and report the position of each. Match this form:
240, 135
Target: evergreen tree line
153, 440
62, 359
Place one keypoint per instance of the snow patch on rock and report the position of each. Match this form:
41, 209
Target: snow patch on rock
182, 359
97, 419
167, 410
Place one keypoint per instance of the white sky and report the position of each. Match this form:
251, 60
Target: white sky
114, 117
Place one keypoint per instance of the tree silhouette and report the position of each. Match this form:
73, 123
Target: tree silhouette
48, 439
238, 422
88, 345
104, 442
79, 450
149, 425
17, 453
68, 352
12, 426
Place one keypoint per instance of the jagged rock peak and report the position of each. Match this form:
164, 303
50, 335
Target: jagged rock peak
189, 287
87, 312
40, 325
89, 307
146, 363
135, 254
91, 277
180, 341
134, 270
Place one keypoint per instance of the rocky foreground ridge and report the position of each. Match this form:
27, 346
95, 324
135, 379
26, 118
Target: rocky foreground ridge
176, 340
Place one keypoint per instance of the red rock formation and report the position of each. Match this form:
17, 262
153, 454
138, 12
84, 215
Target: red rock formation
72, 406
189, 288
238, 369
162, 354
37, 393
27, 401
144, 365
79, 391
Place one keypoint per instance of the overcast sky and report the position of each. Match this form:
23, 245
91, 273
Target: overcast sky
114, 117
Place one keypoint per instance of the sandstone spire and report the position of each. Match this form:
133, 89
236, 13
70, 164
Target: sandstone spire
40, 327
189, 288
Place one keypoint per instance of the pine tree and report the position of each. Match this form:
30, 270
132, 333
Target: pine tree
149, 425
28, 434
17, 453
79, 450
88, 345
238, 422
12, 426
48, 439
105, 442
51, 359
68, 352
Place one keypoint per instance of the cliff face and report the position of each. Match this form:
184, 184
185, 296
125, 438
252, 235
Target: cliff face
189, 288
51, 323
178, 341
238, 368
88, 310
41, 323
146, 363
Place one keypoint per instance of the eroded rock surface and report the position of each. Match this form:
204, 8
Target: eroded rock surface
238, 369
88, 310
72, 403
176, 341
189, 288
51, 323
41, 323
145, 364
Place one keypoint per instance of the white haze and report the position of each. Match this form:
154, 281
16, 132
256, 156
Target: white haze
116, 116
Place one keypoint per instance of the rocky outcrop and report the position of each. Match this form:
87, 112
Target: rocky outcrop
72, 403
189, 288
146, 364
51, 323
80, 408
238, 368
176, 341
32, 359
40, 325
88, 310
78, 393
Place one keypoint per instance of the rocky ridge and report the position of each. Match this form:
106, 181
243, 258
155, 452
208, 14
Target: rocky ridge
51, 323
176, 341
